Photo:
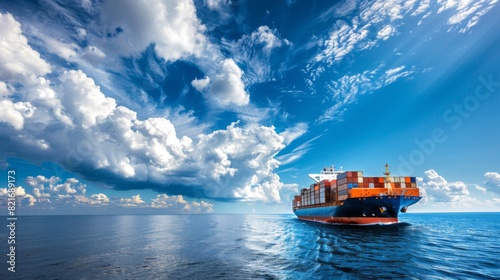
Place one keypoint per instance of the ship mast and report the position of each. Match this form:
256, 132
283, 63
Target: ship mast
388, 184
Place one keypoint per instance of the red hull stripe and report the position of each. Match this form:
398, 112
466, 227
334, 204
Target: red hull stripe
351, 220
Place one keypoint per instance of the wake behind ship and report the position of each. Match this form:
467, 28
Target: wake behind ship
346, 197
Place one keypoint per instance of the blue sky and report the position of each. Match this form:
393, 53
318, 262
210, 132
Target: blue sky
111, 107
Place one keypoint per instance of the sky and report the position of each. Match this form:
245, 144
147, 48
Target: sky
220, 106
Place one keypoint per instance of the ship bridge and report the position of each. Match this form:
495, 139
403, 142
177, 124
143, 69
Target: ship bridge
328, 173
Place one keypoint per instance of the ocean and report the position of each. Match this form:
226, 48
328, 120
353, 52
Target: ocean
421, 246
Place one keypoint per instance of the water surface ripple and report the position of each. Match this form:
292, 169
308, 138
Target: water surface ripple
423, 246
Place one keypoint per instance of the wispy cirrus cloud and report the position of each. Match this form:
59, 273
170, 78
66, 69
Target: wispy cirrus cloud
379, 20
253, 51
465, 11
347, 88
297, 152
294, 132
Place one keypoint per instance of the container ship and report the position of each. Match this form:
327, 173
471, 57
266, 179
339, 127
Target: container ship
347, 197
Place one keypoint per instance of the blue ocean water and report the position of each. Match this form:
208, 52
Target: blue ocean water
422, 246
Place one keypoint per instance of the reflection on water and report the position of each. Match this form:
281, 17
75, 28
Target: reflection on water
426, 246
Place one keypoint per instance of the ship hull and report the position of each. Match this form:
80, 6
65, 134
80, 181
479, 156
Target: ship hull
359, 211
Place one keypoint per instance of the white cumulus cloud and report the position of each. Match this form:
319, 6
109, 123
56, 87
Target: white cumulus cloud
133, 201
17, 58
172, 26
177, 202
439, 190
70, 121
492, 182
226, 87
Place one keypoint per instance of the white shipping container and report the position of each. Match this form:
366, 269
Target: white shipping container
371, 185
360, 180
403, 185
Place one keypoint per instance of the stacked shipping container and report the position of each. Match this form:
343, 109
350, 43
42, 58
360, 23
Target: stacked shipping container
336, 191
348, 180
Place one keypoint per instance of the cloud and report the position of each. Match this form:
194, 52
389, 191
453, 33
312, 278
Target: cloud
172, 26
358, 34
255, 51
50, 193
133, 201
216, 4
84, 99
239, 162
200, 84
479, 188
342, 40
492, 182
393, 74
465, 9
294, 132
53, 189
179, 203
297, 152
68, 51
424, 5
93, 54
439, 190
71, 122
378, 20
386, 32
15, 113
346, 89
20, 195
108, 143
19, 192
94, 199
264, 35
17, 58
226, 87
